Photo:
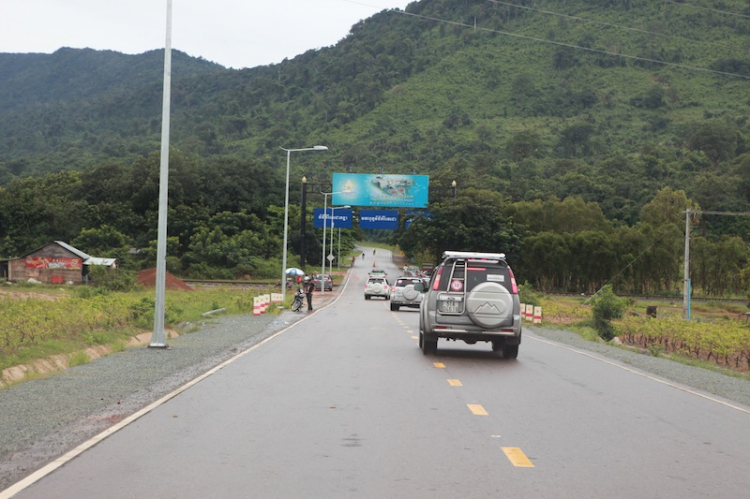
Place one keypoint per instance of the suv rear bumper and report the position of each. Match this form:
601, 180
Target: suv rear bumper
452, 333
413, 304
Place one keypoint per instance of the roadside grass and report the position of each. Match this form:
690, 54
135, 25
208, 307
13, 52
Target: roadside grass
573, 314
69, 323
706, 365
78, 359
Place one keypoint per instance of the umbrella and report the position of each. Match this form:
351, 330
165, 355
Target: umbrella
295, 271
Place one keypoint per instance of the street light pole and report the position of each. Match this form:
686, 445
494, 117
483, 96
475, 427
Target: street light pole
325, 224
333, 224
303, 224
159, 337
286, 212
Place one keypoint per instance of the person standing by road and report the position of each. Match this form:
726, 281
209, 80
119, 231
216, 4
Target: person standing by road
309, 288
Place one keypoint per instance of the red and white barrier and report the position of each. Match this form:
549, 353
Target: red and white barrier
537, 315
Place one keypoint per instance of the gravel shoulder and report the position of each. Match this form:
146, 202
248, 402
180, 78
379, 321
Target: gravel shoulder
42, 419
730, 388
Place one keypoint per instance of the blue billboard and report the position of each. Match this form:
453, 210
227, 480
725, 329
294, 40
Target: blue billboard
378, 219
391, 191
338, 218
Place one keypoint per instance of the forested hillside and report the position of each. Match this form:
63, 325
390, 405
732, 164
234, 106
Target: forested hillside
605, 101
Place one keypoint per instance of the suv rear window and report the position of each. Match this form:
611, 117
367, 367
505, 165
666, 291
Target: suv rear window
400, 283
464, 275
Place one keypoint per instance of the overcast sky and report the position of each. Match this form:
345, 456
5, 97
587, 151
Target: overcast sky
233, 33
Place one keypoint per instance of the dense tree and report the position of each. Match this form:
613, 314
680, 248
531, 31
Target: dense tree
472, 221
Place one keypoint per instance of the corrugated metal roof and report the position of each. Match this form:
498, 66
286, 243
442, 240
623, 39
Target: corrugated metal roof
73, 250
107, 262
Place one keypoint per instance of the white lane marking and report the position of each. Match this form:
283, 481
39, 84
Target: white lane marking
642, 374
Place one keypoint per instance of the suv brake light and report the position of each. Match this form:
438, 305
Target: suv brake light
513, 284
436, 280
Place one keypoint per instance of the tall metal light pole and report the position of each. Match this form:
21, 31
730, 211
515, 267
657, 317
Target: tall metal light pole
286, 211
333, 223
302, 224
325, 224
159, 338
686, 269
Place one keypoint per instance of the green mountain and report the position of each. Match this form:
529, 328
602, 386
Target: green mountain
606, 100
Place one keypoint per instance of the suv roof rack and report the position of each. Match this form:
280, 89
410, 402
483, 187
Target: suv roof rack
467, 255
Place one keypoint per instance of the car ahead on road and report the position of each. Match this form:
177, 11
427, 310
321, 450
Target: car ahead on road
407, 292
377, 273
323, 278
377, 286
472, 297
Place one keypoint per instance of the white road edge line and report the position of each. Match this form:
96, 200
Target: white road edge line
641, 373
72, 454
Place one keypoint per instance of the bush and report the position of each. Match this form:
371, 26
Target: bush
112, 279
607, 306
528, 295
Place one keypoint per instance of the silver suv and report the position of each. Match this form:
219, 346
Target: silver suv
472, 297
406, 292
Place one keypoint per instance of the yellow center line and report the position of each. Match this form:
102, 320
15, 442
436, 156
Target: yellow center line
454, 382
415, 337
517, 457
477, 410
439, 365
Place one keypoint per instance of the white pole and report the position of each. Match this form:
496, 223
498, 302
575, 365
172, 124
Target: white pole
286, 212
686, 270
333, 236
323, 256
286, 223
158, 338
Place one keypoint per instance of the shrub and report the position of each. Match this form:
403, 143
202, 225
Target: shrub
528, 295
113, 279
606, 306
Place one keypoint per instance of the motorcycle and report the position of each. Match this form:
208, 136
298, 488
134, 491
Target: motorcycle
299, 299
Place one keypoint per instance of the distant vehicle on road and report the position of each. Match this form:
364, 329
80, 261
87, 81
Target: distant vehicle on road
407, 292
377, 286
377, 273
320, 278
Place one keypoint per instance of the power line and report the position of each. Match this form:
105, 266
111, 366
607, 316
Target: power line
726, 12
577, 47
609, 25
560, 44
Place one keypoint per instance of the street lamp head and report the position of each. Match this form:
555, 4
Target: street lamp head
304, 180
314, 148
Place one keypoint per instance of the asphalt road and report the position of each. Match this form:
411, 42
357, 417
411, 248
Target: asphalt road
344, 404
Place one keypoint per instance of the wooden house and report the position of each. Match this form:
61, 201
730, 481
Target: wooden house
55, 263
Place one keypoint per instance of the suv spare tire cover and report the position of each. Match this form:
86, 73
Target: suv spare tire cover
489, 305
377, 287
410, 293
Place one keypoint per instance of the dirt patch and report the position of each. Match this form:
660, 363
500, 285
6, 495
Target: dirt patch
28, 295
148, 278
60, 362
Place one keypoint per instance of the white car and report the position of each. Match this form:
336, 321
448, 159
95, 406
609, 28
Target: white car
377, 286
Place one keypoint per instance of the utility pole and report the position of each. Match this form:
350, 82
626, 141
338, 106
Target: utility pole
686, 277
